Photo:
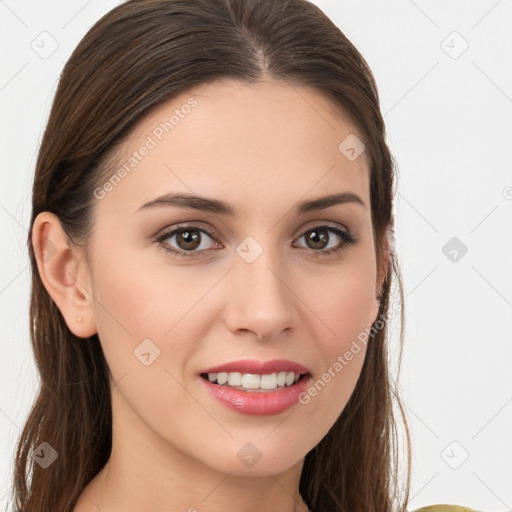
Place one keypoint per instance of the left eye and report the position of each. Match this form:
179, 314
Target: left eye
319, 237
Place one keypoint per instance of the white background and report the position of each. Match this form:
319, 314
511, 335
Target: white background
449, 126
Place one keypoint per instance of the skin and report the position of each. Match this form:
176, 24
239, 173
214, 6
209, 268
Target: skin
261, 148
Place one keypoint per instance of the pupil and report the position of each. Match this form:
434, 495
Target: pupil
191, 239
318, 237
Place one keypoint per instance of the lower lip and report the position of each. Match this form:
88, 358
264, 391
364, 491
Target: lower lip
257, 403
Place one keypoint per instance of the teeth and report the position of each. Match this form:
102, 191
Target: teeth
234, 379
222, 377
251, 381
254, 381
268, 381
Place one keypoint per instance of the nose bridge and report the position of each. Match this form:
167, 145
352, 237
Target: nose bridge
261, 300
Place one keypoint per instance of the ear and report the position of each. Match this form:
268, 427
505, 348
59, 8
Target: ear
64, 273
388, 245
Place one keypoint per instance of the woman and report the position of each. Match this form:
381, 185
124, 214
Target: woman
212, 267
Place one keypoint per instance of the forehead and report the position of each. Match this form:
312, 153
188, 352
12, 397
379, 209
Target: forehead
247, 143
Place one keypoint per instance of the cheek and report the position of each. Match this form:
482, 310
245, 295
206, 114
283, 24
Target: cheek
346, 308
145, 333
137, 300
344, 304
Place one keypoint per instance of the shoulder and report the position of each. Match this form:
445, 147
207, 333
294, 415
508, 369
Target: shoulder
445, 508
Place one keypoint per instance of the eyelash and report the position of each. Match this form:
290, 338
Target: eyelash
347, 238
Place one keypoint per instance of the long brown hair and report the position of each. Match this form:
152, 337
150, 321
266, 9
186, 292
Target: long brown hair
140, 54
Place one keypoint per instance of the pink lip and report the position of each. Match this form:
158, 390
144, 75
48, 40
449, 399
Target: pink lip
257, 403
258, 367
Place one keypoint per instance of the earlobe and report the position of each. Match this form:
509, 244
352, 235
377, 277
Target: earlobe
62, 273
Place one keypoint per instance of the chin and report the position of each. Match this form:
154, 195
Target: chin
248, 460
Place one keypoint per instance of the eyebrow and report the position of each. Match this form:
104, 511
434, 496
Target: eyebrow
217, 206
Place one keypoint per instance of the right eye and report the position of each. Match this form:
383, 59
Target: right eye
188, 239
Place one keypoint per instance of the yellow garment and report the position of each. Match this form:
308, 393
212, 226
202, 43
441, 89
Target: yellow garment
445, 508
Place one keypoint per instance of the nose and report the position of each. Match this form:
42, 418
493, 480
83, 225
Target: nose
261, 300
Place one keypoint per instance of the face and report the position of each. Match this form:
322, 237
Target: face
169, 305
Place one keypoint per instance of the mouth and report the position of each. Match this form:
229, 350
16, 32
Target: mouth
254, 393
253, 382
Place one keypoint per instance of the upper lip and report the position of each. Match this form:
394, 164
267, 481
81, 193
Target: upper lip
258, 367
